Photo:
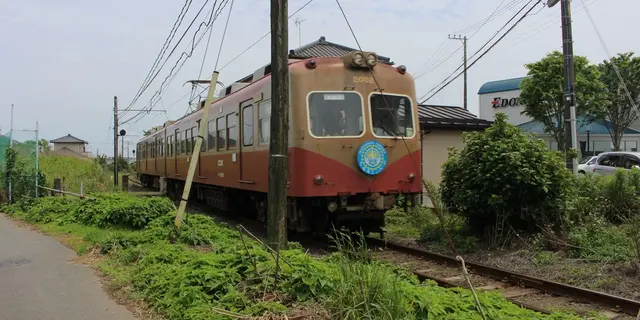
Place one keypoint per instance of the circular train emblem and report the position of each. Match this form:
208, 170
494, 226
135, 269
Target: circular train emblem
372, 157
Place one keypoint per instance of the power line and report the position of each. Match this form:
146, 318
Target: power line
480, 57
418, 76
606, 50
496, 14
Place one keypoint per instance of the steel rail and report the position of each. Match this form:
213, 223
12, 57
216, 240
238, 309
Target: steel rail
622, 304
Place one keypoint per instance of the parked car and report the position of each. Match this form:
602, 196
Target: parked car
608, 162
586, 164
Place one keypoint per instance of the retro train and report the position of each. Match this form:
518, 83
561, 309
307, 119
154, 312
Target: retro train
353, 139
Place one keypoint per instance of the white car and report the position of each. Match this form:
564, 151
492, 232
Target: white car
586, 164
608, 162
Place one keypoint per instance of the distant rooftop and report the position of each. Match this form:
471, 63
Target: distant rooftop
68, 139
449, 117
501, 85
324, 48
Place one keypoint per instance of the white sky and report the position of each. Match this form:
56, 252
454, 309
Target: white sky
63, 61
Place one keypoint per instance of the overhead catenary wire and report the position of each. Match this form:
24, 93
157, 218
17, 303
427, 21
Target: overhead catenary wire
172, 32
219, 53
446, 83
194, 43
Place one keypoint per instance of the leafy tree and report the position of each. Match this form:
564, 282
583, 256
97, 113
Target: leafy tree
543, 95
44, 146
504, 176
101, 160
621, 108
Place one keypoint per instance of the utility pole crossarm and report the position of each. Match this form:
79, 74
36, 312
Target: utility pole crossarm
464, 45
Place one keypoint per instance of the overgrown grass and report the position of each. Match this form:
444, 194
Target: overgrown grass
192, 272
74, 172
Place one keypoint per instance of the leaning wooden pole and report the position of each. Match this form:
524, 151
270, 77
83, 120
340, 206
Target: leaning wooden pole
195, 155
278, 148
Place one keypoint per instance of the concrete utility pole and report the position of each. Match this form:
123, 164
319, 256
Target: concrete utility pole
464, 45
569, 82
37, 157
278, 148
195, 155
115, 141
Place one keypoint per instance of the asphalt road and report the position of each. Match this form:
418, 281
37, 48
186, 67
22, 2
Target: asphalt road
38, 281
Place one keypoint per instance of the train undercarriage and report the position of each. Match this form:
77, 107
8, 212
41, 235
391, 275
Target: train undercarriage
360, 212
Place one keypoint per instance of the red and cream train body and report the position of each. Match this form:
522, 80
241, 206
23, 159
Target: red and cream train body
352, 150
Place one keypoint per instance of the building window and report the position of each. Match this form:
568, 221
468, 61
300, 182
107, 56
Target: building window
221, 133
232, 130
264, 122
211, 135
247, 126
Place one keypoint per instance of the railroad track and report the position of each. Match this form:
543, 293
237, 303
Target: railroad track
526, 291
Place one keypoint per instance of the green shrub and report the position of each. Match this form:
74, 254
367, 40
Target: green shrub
119, 209
505, 176
615, 197
598, 240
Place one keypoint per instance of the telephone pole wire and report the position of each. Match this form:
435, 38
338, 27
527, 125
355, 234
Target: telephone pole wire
115, 141
464, 45
278, 148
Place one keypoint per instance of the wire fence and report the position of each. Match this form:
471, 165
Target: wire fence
19, 164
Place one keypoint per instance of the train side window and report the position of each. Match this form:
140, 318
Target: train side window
187, 141
211, 135
179, 142
203, 145
194, 135
247, 126
264, 122
232, 130
162, 142
221, 133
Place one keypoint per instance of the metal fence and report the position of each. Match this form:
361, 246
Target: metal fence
19, 150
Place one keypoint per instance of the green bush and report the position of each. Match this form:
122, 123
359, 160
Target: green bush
119, 209
505, 176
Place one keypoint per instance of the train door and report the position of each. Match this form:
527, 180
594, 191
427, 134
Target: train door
247, 133
203, 148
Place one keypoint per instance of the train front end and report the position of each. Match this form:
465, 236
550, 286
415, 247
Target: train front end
355, 140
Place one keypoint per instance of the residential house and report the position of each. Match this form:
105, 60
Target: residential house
70, 146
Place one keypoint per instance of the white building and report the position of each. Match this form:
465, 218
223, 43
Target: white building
593, 134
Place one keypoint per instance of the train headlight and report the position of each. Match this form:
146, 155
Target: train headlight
318, 179
358, 59
411, 176
332, 206
372, 59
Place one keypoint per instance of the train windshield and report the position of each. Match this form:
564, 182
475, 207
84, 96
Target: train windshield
391, 115
335, 114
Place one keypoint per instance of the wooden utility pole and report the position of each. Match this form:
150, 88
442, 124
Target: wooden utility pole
195, 155
278, 148
115, 140
568, 83
464, 46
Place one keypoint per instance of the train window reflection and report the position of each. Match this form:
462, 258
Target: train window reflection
391, 115
335, 114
